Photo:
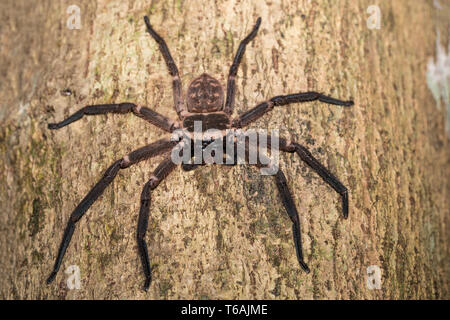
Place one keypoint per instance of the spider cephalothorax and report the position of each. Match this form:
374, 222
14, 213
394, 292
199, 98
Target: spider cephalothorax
204, 103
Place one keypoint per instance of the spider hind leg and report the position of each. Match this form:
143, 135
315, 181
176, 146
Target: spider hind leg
291, 209
159, 174
134, 157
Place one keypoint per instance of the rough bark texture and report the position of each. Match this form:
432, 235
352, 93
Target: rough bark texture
219, 232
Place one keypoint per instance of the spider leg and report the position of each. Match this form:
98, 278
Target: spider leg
231, 86
286, 196
291, 209
289, 205
136, 156
262, 108
323, 172
142, 112
173, 70
162, 171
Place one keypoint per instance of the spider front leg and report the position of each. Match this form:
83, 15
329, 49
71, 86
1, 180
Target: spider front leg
134, 157
261, 109
231, 83
140, 111
291, 209
173, 70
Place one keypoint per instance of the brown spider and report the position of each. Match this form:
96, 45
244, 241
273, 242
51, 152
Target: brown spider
205, 103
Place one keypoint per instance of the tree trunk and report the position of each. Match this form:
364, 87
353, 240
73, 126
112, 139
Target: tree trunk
220, 232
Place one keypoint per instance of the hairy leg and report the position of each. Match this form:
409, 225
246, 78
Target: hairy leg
143, 153
291, 209
323, 172
231, 85
151, 116
162, 171
264, 107
173, 70
288, 203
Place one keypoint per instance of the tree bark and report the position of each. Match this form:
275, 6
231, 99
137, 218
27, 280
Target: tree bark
216, 232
